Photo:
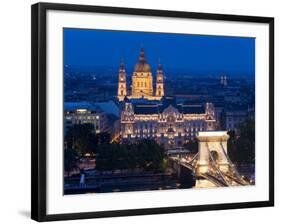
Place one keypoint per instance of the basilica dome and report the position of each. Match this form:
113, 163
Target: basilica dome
142, 65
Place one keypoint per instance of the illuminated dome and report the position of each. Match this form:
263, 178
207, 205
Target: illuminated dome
142, 65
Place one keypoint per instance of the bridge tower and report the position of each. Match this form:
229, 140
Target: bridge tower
212, 148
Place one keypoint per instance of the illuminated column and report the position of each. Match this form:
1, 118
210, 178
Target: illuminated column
122, 90
159, 82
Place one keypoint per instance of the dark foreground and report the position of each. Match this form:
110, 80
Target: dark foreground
105, 183
138, 181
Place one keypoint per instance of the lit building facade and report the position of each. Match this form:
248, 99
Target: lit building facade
166, 122
85, 113
148, 114
142, 81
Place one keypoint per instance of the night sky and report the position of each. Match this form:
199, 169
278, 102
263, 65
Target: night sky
195, 54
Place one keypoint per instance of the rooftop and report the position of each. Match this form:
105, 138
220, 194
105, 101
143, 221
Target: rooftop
107, 107
143, 106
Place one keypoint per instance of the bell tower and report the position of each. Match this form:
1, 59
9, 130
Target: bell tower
159, 82
122, 90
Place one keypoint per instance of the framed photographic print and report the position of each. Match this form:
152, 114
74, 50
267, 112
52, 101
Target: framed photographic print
139, 111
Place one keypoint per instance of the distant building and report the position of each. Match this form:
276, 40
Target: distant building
101, 115
223, 81
234, 116
219, 109
83, 113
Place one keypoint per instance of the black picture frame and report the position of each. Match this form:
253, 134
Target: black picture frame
38, 108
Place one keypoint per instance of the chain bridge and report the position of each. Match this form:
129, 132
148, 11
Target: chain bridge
212, 163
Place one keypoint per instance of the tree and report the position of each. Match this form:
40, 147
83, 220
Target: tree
84, 139
145, 154
103, 138
241, 149
246, 141
192, 146
231, 146
70, 160
151, 155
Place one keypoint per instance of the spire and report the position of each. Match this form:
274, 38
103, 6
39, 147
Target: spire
122, 71
122, 64
159, 69
142, 56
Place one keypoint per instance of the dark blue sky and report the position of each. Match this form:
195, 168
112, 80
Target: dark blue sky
196, 54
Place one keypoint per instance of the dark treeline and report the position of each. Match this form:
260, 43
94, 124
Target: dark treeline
84, 139
145, 154
81, 139
241, 148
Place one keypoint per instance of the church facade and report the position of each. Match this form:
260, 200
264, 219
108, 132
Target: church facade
142, 81
148, 114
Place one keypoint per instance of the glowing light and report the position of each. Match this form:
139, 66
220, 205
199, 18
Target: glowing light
81, 110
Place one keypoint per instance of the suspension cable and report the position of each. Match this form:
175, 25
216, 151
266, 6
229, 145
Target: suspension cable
216, 164
231, 164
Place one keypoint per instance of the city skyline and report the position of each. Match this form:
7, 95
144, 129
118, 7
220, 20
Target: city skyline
195, 54
140, 125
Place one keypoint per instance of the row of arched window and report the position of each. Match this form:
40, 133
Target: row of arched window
141, 84
153, 127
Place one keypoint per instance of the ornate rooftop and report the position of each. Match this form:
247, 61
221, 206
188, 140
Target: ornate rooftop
142, 65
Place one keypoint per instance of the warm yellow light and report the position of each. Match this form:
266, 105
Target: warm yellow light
81, 110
